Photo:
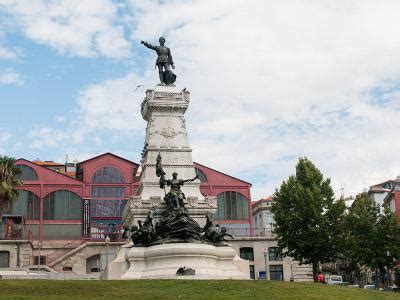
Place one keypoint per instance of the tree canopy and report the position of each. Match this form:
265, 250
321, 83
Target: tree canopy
9, 174
372, 238
307, 219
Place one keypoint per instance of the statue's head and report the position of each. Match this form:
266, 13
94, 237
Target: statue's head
134, 228
174, 175
162, 40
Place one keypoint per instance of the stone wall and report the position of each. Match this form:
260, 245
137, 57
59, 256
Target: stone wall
291, 268
23, 249
76, 259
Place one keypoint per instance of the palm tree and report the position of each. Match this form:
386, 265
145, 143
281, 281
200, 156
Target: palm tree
9, 180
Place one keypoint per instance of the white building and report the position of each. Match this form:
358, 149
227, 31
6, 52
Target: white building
379, 191
262, 217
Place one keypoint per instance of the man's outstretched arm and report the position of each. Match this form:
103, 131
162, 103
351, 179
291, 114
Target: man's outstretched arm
148, 45
190, 180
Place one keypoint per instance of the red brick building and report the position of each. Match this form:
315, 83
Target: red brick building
88, 204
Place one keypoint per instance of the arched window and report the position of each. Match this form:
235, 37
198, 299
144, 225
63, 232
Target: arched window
232, 206
108, 175
27, 205
62, 205
27, 173
200, 174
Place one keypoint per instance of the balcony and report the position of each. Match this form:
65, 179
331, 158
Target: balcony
99, 232
251, 232
10, 234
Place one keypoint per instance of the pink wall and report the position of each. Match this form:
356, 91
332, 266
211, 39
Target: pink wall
127, 168
50, 181
218, 182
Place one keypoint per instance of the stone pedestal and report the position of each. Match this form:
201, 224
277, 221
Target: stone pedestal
163, 108
163, 261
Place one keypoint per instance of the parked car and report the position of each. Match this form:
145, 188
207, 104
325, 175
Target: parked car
369, 287
335, 280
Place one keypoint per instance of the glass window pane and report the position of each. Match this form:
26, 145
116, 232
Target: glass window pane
75, 207
247, 253
221, 206
61, 205
245, 208
27, 173
19, 207
234, 206
276, 272
36, 208
108, 175
228, 207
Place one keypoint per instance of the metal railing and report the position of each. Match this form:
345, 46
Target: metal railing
251, 232
71, 245
16, 234
100, 232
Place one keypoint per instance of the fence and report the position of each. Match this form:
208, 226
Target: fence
251, 232
15, 234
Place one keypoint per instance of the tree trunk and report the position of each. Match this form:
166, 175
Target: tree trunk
315, 270
377, 279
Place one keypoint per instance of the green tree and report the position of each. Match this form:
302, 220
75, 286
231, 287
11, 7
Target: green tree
397, 276
9, 174
307, 219
371, 238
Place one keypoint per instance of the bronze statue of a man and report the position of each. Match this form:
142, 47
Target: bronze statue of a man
175, 196
164, 61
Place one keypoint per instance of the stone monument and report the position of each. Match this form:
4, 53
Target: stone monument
169, 221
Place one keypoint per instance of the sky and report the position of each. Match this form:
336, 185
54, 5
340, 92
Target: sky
270, 81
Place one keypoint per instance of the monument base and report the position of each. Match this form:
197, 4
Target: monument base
163, 262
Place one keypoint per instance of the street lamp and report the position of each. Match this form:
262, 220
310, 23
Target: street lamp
107, 240
265, 257
40, 246
291, 270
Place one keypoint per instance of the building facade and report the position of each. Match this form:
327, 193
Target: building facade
379, 191
262, 217
392, 200
64, 213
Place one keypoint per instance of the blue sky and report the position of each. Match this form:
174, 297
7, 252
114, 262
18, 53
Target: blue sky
269, 82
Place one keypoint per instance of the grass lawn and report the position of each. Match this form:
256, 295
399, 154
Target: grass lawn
180, 289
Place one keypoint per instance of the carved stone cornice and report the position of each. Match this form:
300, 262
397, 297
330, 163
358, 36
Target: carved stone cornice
161, 101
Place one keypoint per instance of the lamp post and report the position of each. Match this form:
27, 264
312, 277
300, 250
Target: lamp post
107, 240
40, 246
266, 268
291, 270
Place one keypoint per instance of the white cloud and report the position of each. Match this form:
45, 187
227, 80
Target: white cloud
60, 119
111, 105
9, 76
270, 81
17, 146
6, 53
5, 136
77, 27
45, 136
